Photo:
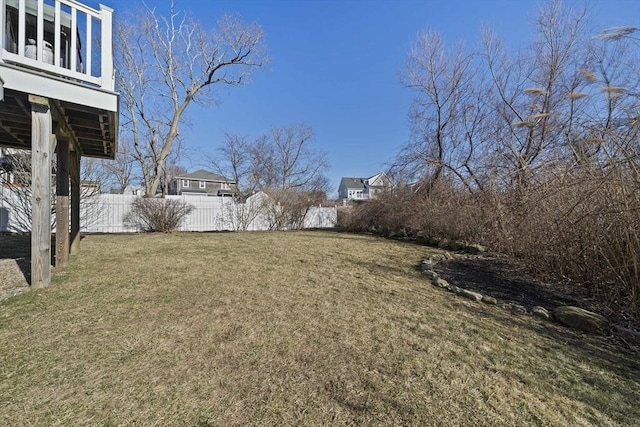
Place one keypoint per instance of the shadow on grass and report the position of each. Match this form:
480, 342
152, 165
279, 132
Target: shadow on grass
586, 351
14, 246
18, 247
377, 269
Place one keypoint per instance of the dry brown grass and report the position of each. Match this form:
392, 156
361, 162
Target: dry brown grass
288, 328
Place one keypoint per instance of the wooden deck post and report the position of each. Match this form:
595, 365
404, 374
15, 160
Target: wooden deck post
75, 202
41, 192
62, 203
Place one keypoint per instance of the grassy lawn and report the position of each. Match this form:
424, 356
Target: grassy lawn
289, 328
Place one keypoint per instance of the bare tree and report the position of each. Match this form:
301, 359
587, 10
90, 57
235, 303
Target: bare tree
442, 141
172, 168
165, 64
232, 160
536, 93
119, 172
283, 164
15, 189
283, 159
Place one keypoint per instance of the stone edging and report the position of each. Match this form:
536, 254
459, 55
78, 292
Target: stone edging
572, 317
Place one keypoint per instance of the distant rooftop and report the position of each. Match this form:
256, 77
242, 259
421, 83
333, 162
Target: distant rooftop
203, 175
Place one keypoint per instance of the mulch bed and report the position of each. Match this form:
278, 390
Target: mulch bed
511, 282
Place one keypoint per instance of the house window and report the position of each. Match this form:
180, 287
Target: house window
185, 183
224, 185
203, 185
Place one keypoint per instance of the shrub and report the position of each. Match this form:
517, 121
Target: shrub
289, 207
579, 225
156, 214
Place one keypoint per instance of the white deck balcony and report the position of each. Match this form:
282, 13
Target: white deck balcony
64, 41
60, 50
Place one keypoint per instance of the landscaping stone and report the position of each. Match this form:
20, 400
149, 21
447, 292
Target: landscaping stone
430, 274
518, 309
426, 264
437, 257
583, 320
471, 295
541, 312
441, 283
570, 316
454, 289
489, 300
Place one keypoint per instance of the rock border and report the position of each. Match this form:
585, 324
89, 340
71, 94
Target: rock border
569, 316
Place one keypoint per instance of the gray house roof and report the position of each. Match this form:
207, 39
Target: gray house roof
357, 183
203, 175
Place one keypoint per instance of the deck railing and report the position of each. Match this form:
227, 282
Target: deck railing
359, 196
52, 36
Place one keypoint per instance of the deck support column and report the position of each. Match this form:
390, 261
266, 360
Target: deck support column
41, 192
75, 202
62, 202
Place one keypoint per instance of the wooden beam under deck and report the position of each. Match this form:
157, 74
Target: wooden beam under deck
62, 203
75, 202
41, 192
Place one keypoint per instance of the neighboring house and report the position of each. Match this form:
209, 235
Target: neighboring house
202, 183
351, 188
364, 188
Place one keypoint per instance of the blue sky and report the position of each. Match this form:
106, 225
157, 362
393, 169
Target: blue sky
336, 66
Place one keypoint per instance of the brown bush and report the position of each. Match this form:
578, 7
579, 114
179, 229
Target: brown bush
581, 225
156, 214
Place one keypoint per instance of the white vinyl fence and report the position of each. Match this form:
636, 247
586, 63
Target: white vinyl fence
106, 213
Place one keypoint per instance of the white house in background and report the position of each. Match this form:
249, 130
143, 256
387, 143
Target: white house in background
364, 188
